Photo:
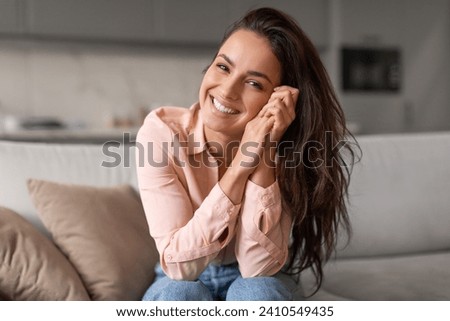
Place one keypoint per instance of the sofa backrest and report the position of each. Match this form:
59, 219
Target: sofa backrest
399, 192
400, 195
65, 163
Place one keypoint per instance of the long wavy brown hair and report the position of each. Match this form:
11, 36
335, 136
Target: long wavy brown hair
315, 155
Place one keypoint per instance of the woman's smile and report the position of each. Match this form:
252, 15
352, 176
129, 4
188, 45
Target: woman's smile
223, 109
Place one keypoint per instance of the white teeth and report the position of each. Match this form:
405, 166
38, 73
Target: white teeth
222, 108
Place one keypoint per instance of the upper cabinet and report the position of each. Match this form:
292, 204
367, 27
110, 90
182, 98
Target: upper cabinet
311, 15
204, 21
129, 20
191, 22
151, 21
11, 17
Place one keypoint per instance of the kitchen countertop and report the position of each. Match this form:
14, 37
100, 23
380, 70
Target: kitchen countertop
73, 136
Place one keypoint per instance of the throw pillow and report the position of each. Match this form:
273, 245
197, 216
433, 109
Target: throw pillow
103, 232
32, 268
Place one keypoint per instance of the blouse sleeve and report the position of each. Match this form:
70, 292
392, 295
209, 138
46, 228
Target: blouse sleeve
187, 240
263, 231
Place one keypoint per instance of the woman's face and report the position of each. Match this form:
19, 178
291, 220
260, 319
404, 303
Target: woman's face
238, 83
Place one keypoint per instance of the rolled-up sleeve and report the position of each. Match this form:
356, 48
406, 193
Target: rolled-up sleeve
187, 239
263, 230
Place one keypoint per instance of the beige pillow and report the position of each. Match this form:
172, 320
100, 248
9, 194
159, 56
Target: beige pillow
103, 232
32, 268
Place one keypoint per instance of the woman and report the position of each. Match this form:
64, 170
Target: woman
248, 180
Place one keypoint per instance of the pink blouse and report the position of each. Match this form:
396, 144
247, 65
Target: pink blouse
190, 218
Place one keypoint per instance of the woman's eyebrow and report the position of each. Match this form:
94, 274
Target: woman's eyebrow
227, 59
250, 72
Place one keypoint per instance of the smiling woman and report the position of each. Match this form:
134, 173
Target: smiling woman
241, 206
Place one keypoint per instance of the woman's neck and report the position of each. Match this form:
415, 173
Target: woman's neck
221, 146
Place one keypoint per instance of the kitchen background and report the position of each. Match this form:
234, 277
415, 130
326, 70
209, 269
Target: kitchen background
97, 66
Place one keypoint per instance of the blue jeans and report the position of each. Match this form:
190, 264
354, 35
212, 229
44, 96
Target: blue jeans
221, 283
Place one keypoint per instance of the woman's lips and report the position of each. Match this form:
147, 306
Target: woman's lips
221, 108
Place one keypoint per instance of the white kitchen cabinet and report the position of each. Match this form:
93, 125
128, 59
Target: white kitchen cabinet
11, 17
129, 20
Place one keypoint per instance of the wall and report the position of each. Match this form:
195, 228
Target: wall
88, 84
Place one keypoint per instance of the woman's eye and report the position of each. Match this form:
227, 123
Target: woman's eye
222, 67
255, 84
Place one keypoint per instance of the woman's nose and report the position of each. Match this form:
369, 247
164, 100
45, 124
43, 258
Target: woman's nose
229, 88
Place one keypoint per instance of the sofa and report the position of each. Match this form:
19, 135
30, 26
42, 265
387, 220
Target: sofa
72, 226
399, 207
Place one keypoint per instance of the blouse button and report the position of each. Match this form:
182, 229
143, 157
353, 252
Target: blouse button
265, 200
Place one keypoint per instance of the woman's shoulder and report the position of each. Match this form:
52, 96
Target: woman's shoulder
171, 120
172, 115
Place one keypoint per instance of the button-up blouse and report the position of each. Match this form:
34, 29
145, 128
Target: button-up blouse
190, 218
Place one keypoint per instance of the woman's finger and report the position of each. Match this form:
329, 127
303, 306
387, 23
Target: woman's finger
276, 105
293, 91
287, 97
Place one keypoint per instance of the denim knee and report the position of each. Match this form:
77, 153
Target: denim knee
264, 288
166, 289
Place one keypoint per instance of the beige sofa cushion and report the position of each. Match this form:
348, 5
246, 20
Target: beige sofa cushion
391, 278
32, 268
104, 234
399, 196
